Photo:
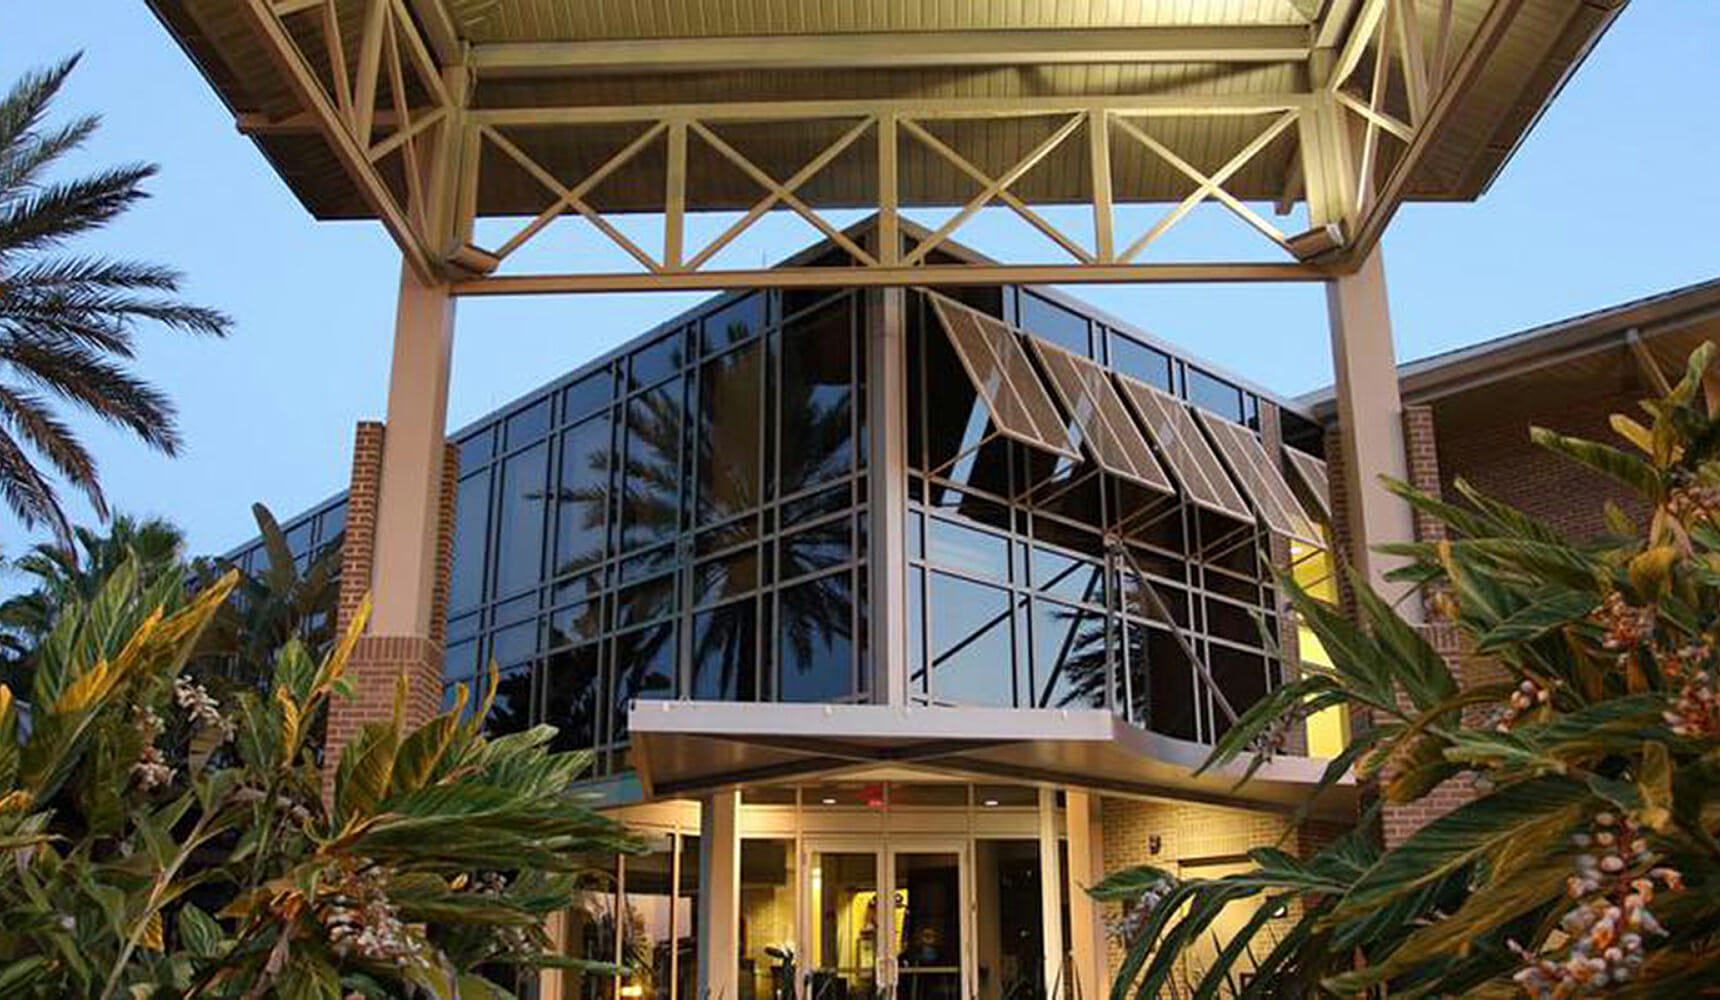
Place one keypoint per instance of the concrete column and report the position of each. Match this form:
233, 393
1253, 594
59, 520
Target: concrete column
1086, 916
886, 367
1370, 422
719, 896
1051, 895
403, 579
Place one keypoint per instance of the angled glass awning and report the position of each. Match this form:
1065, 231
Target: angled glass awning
1191, 459
1261, 480
1003, 377
1315, 479
1115, 441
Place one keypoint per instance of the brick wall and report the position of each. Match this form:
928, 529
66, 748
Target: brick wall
1191, 833
379, 661
1496, 456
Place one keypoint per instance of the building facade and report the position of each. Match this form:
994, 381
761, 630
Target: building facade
860, 596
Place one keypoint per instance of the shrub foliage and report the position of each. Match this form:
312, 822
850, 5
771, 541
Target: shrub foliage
1584, 719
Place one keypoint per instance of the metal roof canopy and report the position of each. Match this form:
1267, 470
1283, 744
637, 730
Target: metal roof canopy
689, 748
428, 114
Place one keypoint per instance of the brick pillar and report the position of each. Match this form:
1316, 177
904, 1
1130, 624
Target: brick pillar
379, 660
1422, 452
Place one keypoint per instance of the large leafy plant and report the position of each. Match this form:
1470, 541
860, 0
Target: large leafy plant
154, 842
1583, 719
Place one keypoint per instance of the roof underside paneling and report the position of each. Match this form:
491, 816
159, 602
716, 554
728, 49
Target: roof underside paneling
1544, 39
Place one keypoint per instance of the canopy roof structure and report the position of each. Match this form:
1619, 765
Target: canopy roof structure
431, 114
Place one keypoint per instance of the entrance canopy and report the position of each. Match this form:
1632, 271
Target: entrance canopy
689, 748
429, 114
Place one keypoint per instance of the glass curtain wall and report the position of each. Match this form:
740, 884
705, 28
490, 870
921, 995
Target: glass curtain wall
1014, 598
686, 519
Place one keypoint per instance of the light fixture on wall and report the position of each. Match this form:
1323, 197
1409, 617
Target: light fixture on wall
1154, 843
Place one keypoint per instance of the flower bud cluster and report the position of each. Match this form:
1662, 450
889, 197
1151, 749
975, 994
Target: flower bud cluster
1616, 880
1527, 696
1127, 926
512, 938
1626, 625
1694, 503
1689, 672
150, 770
198, 703
362, 922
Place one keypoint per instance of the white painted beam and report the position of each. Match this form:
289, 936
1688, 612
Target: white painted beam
895, 50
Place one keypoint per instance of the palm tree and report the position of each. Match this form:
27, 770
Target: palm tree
67, 320
61, 576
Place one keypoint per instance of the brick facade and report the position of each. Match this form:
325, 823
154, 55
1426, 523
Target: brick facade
1193, 836
378, 661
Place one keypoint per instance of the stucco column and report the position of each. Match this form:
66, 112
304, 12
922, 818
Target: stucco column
1051, 895
719, 896
1370, 423
1086, 917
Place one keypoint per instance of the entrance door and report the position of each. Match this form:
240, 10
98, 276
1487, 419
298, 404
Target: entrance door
932, 900
892, 923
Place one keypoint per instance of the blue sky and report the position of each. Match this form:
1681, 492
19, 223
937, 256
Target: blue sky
1612, 197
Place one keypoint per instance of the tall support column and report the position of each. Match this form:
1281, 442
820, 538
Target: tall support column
1086, 917
719, 896
886, 339
1051, 896
1370, 422
398, 542
404, 578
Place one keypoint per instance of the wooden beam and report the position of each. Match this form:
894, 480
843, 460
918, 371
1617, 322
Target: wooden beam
437, 29
895, 50
937, 275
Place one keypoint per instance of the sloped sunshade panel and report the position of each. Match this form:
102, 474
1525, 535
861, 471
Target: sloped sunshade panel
1091, 399
1315, 478
1191, 459
1261, 480
1003, 377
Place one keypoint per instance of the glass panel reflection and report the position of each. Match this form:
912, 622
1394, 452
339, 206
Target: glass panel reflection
572, 678
582, 499
725, 652
730, 396
973, 643
520, 520
815, 423
650, 491
844, 925
815, 641
929, 940
767, 918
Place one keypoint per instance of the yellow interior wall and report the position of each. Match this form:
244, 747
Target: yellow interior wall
1329, 728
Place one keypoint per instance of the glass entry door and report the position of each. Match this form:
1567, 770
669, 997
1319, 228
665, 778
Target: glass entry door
888, 924
931, 904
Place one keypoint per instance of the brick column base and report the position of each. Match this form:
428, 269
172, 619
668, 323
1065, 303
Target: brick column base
379, 661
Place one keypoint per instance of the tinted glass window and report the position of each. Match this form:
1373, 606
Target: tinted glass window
528, 424
725, 652
471, 518
730, 394
972, 643
644, 669
511, 711
1069, 662
520, 520
657, 361
1050, 321
582, 497
588, 395
649, 511
816, 398
820, 547
815, 642
477, 449
970, 550
571, 682
1215, 394
1133, 358
734, 323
